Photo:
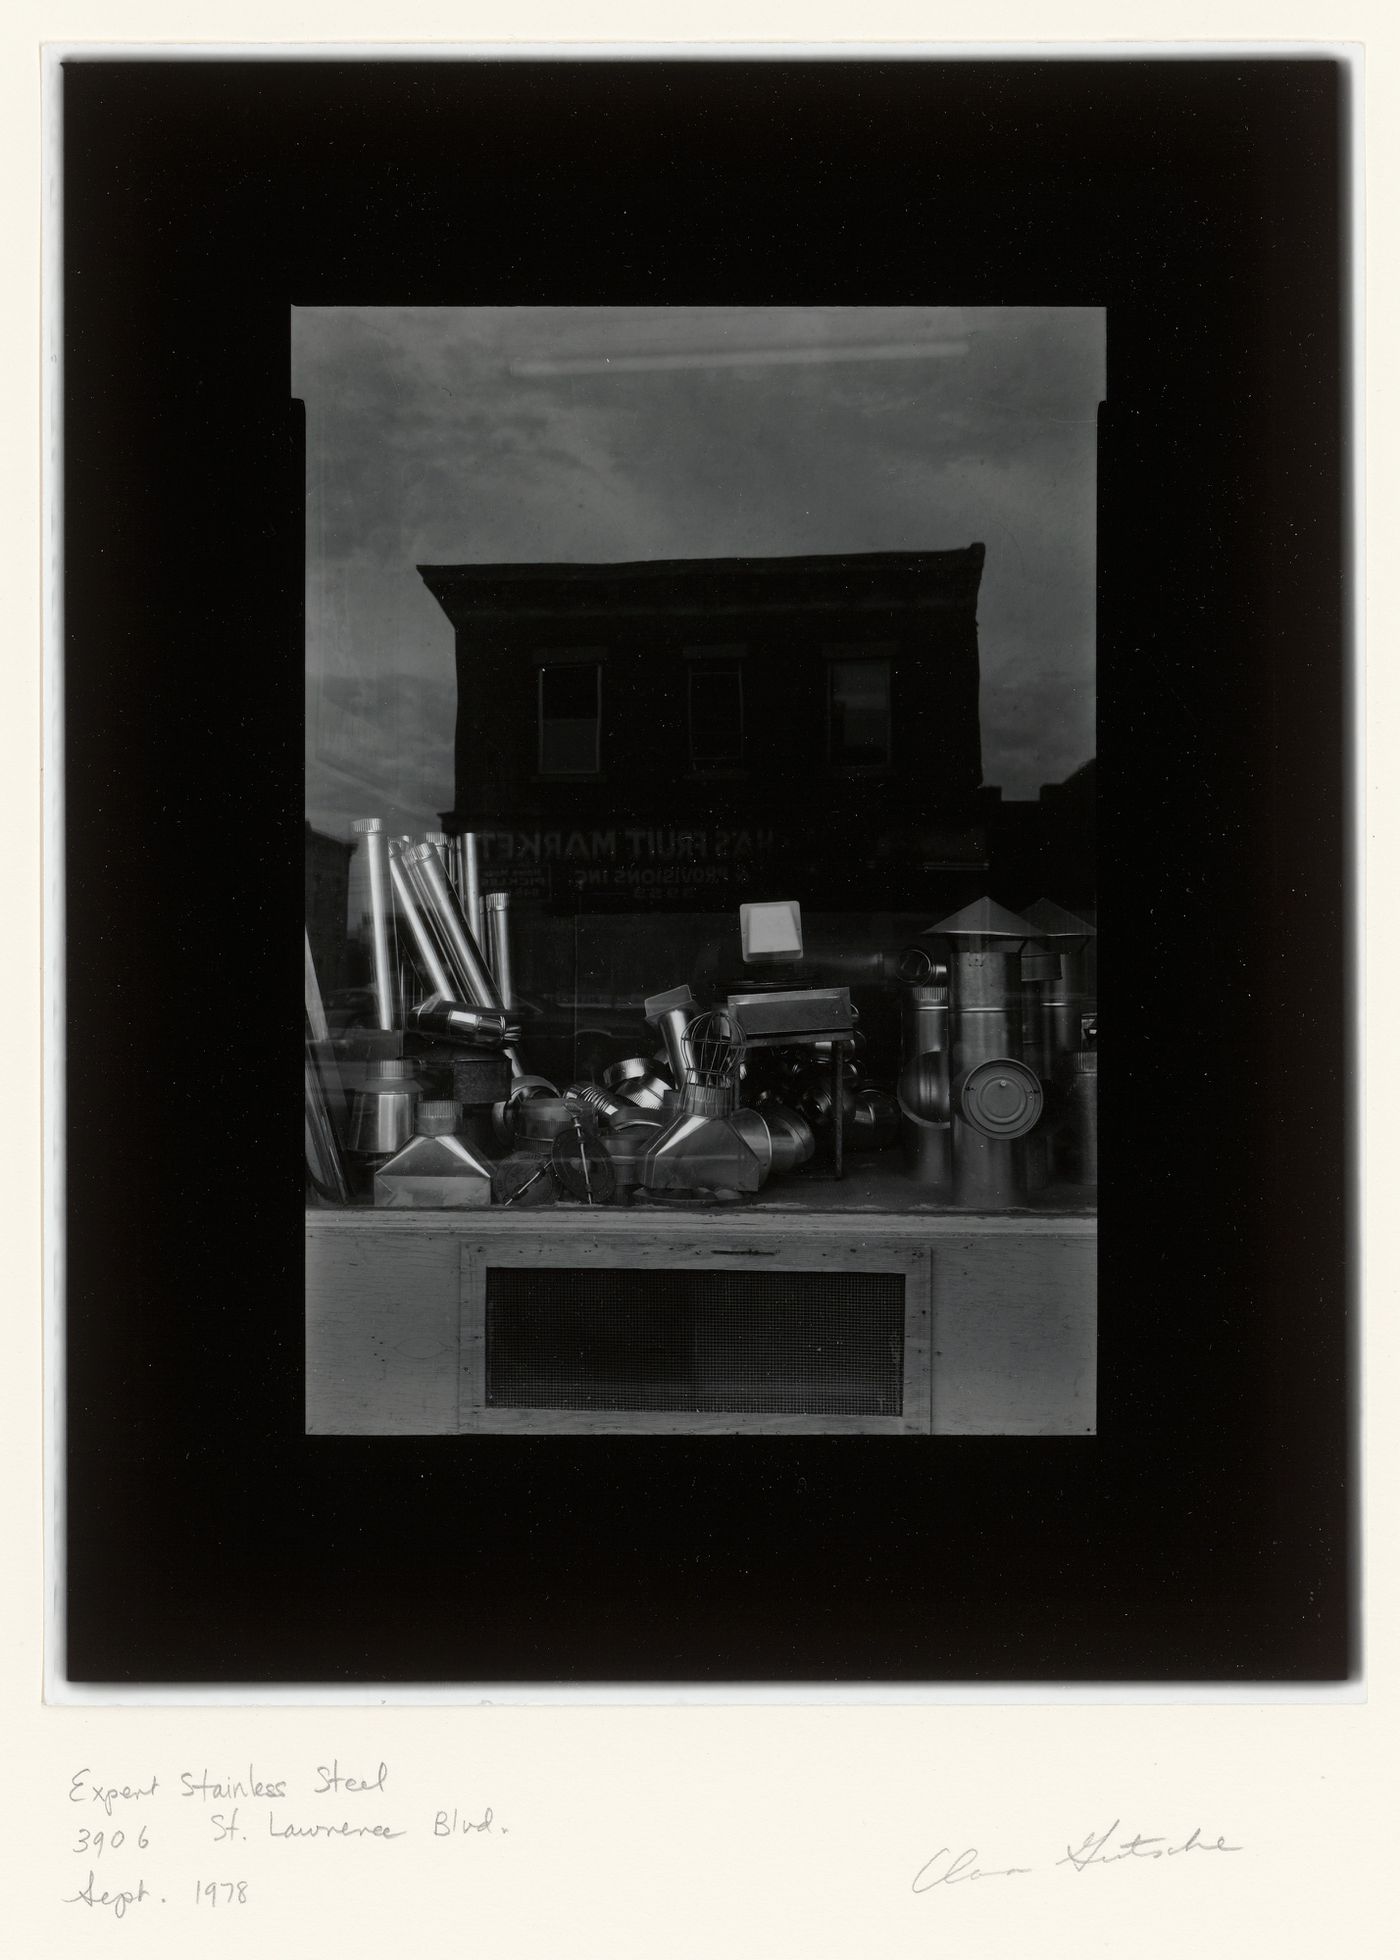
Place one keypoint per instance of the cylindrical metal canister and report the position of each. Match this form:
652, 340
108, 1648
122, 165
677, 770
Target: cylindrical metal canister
996, 1105
382, 1115
995, 1098
439, 1118
988, 1170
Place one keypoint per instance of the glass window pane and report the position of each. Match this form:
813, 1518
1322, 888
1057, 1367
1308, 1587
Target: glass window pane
569, 717
716, 715
570, 692
860, 712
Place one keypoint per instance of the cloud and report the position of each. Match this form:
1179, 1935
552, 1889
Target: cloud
428, 443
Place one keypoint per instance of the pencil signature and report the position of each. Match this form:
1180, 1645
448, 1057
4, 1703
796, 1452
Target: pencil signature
947, 1867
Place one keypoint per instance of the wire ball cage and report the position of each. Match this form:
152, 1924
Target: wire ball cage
714, 1056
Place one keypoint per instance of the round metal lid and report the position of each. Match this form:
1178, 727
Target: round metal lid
1001, 1098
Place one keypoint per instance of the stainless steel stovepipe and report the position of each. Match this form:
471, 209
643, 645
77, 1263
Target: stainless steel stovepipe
1068, 1003
375, 846
1069, 994
424, 944
443, 845
471, 1027
497, 907
468, 882
996, 1098
671, 1013
473, 982
924, 1089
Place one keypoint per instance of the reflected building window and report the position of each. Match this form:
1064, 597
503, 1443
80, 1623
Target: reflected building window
858, 712
716, 702
571, 715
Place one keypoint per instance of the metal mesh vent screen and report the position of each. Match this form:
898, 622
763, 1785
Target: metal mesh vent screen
718, 1342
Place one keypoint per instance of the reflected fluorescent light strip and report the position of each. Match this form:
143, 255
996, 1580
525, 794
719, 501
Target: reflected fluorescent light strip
921, 350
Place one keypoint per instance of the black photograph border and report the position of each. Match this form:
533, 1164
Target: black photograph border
1207, 1532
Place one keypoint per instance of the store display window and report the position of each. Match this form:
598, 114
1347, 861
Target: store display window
660, 627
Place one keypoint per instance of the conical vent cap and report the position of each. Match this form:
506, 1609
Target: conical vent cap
1051, 921
983, 919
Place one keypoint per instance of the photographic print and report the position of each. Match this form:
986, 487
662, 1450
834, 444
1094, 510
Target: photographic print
701, 613
701, 907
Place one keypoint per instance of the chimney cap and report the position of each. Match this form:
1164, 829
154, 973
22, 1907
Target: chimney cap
1052, 921
983, 919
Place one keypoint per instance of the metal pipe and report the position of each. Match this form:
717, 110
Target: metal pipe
424, 945
475, 1027
874, 1120
411, 866
587, 1095
924, 1090
442, 844
671, 1014
376, 852
989, 1172
459, 943
1068, 996
469, 881
497, 905
382, 1115
636, 1081
407, 983
790, 1135
995, 1098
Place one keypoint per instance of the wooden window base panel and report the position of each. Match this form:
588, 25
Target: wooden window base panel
998, 1330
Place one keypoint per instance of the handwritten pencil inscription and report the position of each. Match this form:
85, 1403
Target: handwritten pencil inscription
147, 1845
948, 1867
